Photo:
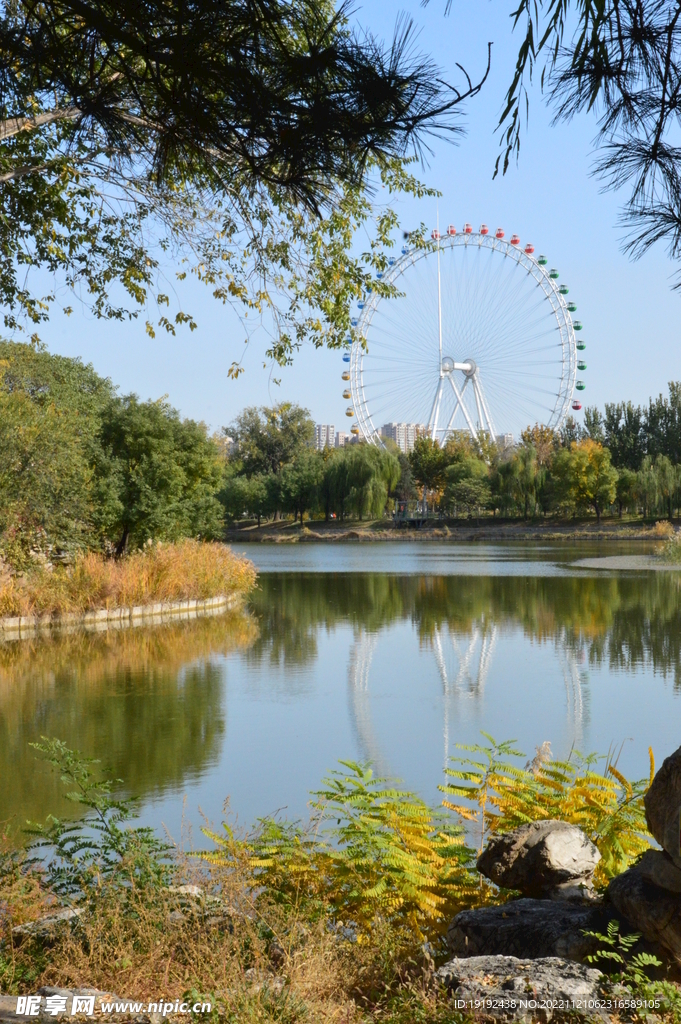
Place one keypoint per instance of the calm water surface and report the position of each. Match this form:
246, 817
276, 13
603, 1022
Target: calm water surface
392, 653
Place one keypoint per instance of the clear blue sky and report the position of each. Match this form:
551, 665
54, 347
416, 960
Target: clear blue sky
629, 312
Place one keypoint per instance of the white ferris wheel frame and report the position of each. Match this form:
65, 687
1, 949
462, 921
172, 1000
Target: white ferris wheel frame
471, 372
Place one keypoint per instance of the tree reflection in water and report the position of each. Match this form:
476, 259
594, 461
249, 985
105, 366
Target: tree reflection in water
147, 702
624, 622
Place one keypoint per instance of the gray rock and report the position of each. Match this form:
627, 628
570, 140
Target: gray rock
650, 910
541, 858
663, 806
528, 928
47, 927
657, 867
521, 989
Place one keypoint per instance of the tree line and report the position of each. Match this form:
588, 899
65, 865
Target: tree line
626, 458
273, 469
84, 467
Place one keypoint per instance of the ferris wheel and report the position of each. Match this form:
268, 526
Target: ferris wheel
480, 338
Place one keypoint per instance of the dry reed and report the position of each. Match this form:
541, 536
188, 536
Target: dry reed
173, 572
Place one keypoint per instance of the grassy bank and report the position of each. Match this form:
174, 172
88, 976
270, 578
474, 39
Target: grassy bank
342, 919
454, 530
161, 572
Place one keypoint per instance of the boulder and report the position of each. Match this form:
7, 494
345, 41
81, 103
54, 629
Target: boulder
543, 858
528, 928
521, 989
649, 909
663, 806
657, 867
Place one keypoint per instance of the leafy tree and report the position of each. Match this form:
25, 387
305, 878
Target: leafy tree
467, 484
570, 432
663, 425
594, 426
167, 473
372, 473
543, 440
404, 489
50, 414
428, 462
625, 434
45, 480
267, 439
242, 495
586, 476
526, 475
626, 489
667, 482
648, 486
299, 483
215, 131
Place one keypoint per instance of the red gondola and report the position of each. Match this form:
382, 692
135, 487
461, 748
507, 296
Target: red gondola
451, 230
484, 230
468, 229
499, 233
435, 235
529, 248
576, 406
515, 239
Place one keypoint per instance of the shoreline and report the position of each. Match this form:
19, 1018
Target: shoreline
21, 627
376, 531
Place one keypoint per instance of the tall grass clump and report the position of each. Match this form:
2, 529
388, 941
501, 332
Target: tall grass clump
159, 572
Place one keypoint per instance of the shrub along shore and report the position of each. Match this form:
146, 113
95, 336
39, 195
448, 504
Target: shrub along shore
158, 574
343, 918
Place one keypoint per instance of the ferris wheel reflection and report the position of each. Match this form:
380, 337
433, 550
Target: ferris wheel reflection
463, 661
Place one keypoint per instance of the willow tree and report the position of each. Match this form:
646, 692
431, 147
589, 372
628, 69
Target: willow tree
232, 139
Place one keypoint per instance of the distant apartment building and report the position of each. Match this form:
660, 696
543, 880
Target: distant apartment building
324, 436
403, 434
343, 439
504, 441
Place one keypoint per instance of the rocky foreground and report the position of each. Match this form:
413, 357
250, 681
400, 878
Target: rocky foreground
525, 959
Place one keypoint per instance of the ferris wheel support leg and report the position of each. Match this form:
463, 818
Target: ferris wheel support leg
485, 408
459, 402
456, 406
435, 411
478, 406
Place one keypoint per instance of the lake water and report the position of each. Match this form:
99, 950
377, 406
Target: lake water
390, 652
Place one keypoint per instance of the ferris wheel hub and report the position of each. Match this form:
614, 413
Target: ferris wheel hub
447, 365
470, 367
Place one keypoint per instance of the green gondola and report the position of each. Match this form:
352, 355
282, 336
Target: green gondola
563, 289
577, 325
553, 274
581, 345
580, 385
581, 366
572, 307
542, 261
